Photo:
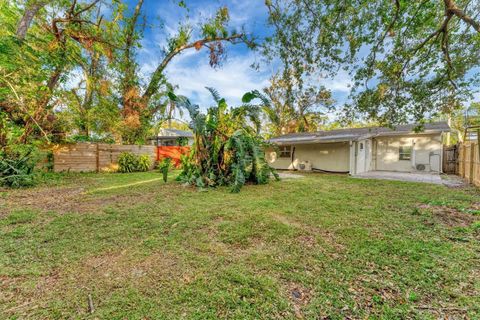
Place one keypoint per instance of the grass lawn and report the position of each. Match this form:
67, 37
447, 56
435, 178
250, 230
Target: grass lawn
320, 247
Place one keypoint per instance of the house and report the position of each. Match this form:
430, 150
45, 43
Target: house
172, 137
360, 150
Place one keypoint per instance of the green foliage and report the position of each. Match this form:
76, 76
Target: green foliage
17, 167
291, 108
227, 150
127, 162
130, 162
144, 163
83, 138
164, 167
182, 141
409, 60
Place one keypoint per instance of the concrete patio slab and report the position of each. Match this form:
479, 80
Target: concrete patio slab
423, 177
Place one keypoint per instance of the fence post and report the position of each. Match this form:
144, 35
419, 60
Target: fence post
472, 162
97, 159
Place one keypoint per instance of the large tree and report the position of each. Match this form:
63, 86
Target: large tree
409, 59
37, 54
142, 101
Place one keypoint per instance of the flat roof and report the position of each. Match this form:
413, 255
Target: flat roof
172, 134
353, 134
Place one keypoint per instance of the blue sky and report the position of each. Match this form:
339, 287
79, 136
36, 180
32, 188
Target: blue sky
191, 70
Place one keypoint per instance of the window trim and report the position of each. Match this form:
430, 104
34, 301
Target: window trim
285, 152
403, 154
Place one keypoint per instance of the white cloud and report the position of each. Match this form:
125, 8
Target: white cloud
341, 83
232, 80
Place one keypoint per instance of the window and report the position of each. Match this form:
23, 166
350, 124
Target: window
361, 145
285, 152
405, 153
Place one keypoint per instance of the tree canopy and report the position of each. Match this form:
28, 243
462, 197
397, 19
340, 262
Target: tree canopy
410, 60
69, 66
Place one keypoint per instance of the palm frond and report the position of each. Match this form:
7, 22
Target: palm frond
215, 94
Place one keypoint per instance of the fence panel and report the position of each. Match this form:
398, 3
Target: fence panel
84, 157
75, 157
469, 162
173, 152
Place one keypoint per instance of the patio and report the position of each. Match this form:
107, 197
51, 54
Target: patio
424, 177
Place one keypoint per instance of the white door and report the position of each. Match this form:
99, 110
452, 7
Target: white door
361, 147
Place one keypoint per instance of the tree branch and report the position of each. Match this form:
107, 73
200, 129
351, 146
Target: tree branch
452, 8
158, 73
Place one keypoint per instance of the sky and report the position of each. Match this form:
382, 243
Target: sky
191, 70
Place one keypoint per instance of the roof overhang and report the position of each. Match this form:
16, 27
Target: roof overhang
315, 139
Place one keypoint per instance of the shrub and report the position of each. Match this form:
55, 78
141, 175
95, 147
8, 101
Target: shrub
144, 163
17, 168
130, 162
164, 167
127, 162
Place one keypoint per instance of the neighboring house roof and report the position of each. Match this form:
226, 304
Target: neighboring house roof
353, 134
173, 133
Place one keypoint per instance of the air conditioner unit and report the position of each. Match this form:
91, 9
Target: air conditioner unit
305, 166
422, 167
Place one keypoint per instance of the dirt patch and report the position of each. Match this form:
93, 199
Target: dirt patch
60, 199
307, 241
70, 200
450, 217
299, 297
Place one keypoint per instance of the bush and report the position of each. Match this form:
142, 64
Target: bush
127, 162
144, 163
130, 162
17, 168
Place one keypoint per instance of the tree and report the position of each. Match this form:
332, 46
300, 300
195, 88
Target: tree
409, 59
292, 108
139, 105
35, 58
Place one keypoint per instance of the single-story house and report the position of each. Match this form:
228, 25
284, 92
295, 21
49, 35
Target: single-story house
171, 137
359, 150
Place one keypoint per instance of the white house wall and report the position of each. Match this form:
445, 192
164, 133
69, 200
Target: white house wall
325, 156
427, 150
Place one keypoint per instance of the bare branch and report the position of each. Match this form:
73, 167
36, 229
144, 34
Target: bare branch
157, 74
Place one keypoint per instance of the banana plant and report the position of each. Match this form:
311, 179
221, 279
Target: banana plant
227, 149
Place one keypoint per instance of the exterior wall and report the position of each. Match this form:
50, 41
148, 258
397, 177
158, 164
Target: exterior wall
426, 149
325, 156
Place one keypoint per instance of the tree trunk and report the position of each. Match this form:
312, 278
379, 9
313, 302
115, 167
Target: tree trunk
27, 18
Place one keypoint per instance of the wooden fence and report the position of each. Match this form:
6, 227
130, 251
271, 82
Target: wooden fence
450, 159
84, 157
469, 162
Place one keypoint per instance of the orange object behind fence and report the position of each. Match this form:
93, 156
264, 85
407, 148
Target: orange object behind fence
172, 152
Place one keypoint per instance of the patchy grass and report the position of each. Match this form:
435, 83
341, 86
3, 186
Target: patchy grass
321, 247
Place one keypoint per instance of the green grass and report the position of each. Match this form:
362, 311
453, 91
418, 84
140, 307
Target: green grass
322, 246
